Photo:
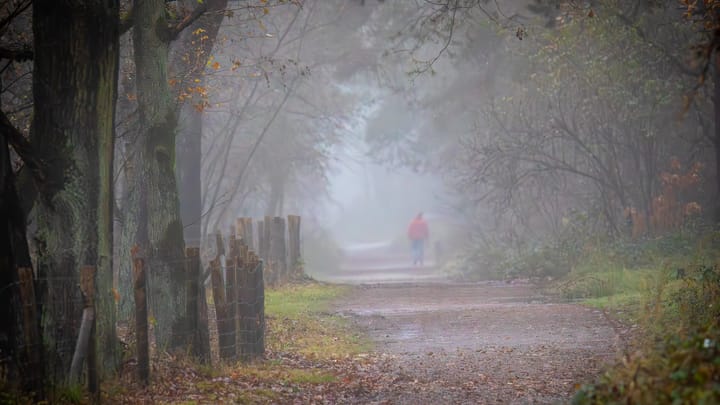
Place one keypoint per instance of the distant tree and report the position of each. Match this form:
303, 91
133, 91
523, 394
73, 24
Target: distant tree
705, 17
283, 116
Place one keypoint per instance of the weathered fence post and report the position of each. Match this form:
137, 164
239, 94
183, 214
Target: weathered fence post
196, 310
225, 323
248, 232
294, 255
85, 347
257, 267
244, 231
278, 252
266, 254
252, 307
141, 317
231, 299
261, 236
31, 330
241, 263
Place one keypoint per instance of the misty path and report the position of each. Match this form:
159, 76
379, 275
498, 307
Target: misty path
476, 343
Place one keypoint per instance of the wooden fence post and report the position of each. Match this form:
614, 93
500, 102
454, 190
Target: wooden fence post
243, 308
225, 322
294, 255
85, 347
278, 252
252, 307
31, 330
196, 310
261, 234
267, 251
241, 264
220, 308
259, 308
141, 316
248, 232
231, 301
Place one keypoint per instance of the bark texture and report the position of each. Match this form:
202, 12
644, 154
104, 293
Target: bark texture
75, 90
13, 255
153, 216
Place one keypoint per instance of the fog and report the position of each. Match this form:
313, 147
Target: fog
359, 115
521, 188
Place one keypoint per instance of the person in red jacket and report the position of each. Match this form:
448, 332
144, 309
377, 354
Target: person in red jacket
418, 233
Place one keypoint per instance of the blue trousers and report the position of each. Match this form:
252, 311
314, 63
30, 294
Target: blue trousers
417, 246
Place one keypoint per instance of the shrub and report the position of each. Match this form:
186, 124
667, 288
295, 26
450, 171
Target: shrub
679, 360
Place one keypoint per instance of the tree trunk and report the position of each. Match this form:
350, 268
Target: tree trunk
158, 230
14, 253
716, 103
189, 165
75, 90
153, 217
190, 144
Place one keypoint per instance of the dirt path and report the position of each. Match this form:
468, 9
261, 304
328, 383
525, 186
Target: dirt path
483, 343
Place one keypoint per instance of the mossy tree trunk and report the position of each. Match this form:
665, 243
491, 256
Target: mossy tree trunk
158, 229
152, 211
75, 90
716, 137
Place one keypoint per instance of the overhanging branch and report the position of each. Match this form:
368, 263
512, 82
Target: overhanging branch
173, 29
22, 147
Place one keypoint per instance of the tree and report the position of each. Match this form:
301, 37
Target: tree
705, 18
75, 85
288, 116
14, 251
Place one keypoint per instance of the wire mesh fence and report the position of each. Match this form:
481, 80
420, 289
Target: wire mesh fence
42, 339
239, 298
213, 311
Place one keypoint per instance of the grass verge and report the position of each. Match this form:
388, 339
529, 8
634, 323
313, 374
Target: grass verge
675, 300
310, 354
298, 322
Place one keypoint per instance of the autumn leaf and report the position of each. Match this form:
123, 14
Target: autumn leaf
216, 65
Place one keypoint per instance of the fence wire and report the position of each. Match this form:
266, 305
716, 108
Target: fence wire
211, 302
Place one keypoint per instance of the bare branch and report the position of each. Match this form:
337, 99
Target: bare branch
22, 147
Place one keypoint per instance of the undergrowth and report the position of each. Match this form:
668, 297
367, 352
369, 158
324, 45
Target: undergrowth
672, 290
306, 350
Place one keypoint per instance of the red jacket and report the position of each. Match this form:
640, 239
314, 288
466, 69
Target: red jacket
418, 229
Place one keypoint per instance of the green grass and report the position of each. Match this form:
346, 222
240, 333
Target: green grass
298, 300
298, 322
675, 359
279, 373
617, 302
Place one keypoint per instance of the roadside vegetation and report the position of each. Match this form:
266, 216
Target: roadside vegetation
673, 296
663, 292
310, 355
